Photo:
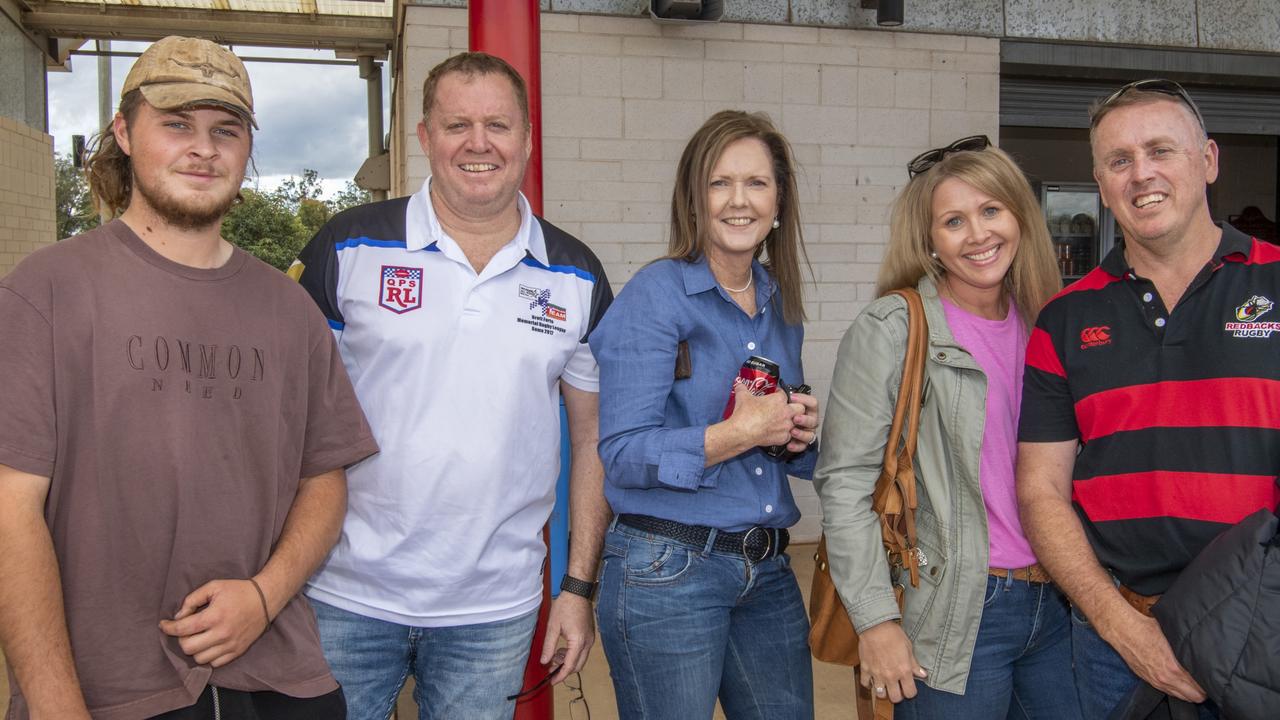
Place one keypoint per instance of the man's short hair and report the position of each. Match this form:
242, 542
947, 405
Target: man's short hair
471, 64
1141, 92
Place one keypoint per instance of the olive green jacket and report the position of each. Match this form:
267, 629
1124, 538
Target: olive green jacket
942, 615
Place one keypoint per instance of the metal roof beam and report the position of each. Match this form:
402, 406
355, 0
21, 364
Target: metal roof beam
374, 35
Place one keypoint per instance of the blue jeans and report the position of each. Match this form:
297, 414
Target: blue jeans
682, 625
460, 673
1021, 661
1103, 679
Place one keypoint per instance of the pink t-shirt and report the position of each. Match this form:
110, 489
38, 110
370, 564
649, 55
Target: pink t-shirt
999, 348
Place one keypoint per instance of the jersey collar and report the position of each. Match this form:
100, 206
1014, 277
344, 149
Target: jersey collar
1234, 246
423, 230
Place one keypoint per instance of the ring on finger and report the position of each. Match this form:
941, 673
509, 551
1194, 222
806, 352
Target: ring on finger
880, 690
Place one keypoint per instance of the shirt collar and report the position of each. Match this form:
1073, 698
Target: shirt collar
1234, 246
699, 278
423, 230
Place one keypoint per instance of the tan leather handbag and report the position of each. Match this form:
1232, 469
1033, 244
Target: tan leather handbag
831, 635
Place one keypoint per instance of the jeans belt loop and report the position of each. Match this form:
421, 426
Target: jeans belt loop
711, 542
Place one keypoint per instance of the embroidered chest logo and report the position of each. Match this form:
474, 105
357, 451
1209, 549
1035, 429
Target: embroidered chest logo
540, 300
1095, 336
400, 288
1247, 313
544, 311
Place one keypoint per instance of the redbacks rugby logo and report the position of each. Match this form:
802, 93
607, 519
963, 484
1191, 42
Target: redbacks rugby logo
400, 289
1253, 308
1248, 313
1095, 336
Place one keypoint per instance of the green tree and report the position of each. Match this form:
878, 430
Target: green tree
274, 226
349, 196
294, 191
265, 226
75, 209
312, 214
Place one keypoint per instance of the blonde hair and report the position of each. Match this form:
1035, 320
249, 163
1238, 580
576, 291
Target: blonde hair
783, 247
1032, 278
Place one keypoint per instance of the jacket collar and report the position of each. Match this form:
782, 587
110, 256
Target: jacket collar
939, 331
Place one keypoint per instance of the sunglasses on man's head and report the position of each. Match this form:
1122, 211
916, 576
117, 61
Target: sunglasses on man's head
929, 158
1155, 85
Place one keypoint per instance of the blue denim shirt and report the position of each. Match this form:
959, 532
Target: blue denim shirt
652, 426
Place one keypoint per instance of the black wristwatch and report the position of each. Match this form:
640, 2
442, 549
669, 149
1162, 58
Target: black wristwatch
571, 584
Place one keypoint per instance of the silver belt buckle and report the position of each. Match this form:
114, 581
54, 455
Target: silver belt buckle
767, 548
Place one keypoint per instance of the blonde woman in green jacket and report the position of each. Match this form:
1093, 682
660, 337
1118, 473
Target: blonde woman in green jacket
985, 635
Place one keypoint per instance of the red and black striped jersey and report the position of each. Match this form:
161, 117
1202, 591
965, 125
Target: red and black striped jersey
1177, 413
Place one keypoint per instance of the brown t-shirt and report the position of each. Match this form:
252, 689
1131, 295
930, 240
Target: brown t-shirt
175, 410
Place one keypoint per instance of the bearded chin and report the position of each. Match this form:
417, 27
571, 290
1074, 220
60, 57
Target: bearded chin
184, 214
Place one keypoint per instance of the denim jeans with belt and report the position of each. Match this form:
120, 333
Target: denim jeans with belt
1021, 665
683, 625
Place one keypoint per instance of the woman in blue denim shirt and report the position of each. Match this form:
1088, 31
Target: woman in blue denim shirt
697, 597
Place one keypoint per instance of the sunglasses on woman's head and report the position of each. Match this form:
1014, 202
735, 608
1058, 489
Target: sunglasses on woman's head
929, 158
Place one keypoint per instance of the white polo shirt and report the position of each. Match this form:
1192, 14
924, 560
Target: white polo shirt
458, 375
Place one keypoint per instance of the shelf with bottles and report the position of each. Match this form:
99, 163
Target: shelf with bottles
1075, 257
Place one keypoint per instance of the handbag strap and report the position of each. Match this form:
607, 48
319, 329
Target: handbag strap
895, 497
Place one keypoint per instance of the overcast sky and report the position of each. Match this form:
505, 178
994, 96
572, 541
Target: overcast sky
309, 116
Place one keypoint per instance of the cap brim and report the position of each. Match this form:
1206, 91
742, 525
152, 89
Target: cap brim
171, 96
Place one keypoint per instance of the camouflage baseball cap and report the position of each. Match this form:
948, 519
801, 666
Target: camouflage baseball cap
179, 72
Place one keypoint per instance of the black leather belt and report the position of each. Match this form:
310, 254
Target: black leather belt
756, 544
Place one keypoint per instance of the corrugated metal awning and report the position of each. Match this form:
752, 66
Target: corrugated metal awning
353, 26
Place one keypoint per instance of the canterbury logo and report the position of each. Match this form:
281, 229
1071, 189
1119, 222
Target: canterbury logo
1253, 308
1095, 336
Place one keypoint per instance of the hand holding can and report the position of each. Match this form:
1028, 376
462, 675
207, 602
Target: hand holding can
760, 376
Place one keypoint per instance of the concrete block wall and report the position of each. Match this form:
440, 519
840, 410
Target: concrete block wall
621, 96
1223, 25
27, 219
22, 79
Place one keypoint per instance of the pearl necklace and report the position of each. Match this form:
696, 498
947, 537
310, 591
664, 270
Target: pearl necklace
750, 279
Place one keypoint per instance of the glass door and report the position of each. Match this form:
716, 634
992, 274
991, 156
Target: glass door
1074, 214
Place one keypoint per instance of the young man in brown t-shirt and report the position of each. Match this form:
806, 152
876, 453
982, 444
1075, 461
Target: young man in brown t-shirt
173, 434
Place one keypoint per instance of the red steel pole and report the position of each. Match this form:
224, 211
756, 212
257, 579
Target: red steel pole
511, 30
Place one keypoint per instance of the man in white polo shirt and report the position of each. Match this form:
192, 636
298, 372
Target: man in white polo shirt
461, 318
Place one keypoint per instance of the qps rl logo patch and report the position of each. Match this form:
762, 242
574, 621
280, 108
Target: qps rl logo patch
400, 289
1095, 336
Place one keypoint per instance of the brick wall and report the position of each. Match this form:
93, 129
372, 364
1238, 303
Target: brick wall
26, 192
621, 96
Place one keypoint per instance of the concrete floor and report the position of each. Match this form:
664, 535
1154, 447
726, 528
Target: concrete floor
833, 684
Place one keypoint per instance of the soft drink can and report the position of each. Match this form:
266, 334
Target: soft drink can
761, 376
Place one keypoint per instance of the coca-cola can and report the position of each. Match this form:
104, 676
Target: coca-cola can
761, 376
